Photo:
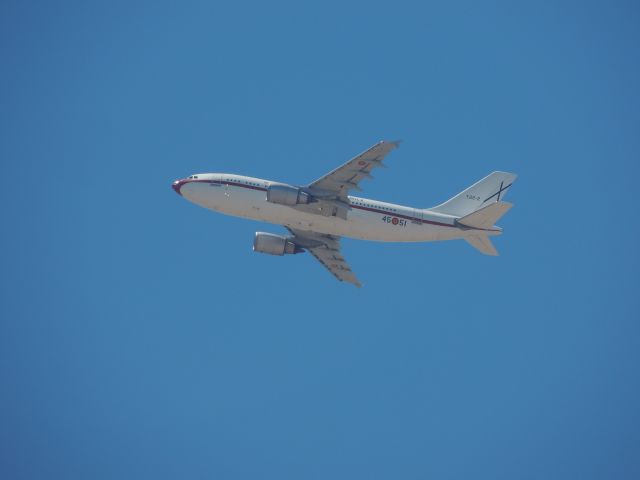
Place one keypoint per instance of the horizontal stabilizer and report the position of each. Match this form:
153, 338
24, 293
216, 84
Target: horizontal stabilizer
482, 243
486, 217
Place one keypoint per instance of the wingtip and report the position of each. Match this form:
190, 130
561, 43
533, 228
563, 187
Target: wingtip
395, 143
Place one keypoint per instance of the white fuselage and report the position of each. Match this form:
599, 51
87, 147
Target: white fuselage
246, 197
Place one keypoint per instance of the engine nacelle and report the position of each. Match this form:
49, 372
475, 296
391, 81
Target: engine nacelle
287, 195
274, 244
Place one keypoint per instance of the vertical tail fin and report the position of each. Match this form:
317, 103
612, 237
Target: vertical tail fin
490, 189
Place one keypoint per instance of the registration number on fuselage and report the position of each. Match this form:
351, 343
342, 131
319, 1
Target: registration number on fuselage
394, 221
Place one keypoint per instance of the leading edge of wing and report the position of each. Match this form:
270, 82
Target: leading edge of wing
348, 175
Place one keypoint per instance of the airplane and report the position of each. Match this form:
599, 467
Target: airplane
319, 214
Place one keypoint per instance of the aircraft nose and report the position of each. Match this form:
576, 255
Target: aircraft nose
177, 185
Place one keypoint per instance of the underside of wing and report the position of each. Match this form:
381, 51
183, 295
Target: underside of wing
337, 183
336, 264
326, 249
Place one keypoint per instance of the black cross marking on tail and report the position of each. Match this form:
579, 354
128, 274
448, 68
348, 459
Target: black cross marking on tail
502, 189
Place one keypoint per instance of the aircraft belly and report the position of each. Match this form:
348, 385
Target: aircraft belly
214, 198
364, 225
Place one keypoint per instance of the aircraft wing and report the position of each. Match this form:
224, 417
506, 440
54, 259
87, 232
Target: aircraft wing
326, 248
337, 183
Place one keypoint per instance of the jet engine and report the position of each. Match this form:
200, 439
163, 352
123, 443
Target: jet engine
287, 195
274, 244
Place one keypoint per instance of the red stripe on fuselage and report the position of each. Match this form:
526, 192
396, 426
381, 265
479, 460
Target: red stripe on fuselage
369, 209
406, 217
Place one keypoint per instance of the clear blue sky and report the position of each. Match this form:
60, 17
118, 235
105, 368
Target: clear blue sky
140, 337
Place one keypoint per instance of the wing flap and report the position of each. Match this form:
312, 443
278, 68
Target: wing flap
326, 249
336, 264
